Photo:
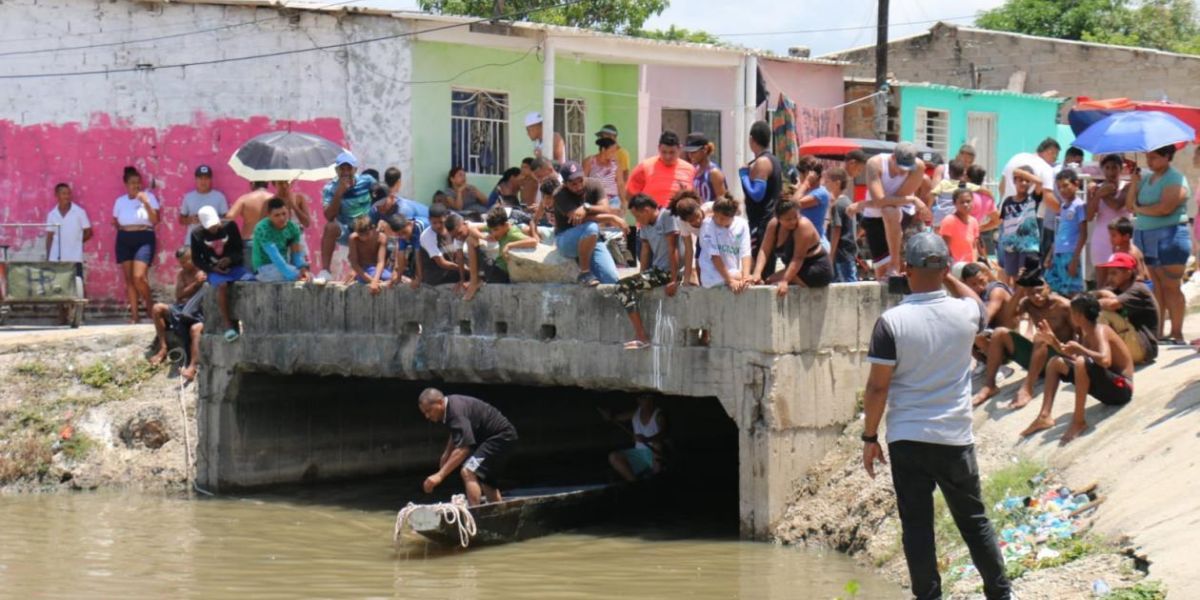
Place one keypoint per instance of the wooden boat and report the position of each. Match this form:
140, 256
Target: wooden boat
523, 515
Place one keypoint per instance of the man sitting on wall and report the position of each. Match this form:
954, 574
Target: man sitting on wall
185, 317
577, 206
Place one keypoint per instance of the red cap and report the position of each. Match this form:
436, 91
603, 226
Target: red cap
1120, 260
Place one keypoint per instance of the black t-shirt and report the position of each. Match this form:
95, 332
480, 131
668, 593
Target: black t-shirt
208, 248
471, 421
847, 249
1138, 305
566, 201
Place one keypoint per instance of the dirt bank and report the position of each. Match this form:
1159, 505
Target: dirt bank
1143, 456
82, 409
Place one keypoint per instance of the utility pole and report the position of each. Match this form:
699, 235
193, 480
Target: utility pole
881, 69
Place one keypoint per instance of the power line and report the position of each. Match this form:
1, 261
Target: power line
159, 38
827, 29
217, 61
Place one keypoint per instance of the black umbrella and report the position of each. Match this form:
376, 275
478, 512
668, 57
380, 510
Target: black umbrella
286, 156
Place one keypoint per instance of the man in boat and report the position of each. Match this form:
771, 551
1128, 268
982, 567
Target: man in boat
481, 440
644, 459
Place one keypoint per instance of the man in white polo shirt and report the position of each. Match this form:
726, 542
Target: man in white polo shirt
920, 359
67, 228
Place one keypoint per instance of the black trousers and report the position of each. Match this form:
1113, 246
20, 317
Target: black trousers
916, 468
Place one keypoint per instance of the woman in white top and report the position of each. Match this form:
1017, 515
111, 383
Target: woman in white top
135, 214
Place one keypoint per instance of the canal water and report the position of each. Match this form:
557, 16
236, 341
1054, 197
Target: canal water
335, 544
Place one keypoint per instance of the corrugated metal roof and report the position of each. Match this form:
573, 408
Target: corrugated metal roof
322, 6
978, 92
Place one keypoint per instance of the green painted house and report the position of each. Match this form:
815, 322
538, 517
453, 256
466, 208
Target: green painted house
998, 124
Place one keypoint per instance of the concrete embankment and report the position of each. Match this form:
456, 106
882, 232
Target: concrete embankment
1142, 455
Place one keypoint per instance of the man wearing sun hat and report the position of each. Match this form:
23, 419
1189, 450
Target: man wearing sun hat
533, 127
1128, 306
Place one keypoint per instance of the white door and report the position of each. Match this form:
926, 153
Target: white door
981, 133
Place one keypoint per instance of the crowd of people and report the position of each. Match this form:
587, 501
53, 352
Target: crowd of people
671, 220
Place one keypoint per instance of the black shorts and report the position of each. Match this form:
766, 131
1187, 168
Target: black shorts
1109, 387
489, 459
876, 235
136, 245
816, 271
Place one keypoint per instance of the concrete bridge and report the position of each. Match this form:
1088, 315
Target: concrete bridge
309, 392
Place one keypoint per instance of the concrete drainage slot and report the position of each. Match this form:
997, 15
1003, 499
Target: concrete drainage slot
501, 328
698, 337
548, 332
464, 327
412, 328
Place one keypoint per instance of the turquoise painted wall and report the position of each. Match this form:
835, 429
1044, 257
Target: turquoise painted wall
1022, 121
522, 81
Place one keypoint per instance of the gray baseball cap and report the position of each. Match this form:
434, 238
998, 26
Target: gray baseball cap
927, 250
906, 155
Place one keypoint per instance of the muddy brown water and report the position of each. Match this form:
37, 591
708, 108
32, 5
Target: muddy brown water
134, 545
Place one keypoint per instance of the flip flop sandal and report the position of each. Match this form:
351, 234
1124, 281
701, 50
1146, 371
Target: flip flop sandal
231, 335
636, 345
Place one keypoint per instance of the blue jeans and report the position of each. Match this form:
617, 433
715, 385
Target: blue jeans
1165, 246
844, 270
567, 243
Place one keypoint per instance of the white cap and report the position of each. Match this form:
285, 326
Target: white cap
208, 217
533, 118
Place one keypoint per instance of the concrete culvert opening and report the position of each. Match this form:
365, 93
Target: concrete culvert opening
320, 439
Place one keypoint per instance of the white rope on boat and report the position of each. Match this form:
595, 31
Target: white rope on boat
454, 512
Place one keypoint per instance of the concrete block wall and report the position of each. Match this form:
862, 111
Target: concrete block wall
786, 370
1072, 69
83, 130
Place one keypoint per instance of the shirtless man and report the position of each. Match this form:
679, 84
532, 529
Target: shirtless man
893, 182
297, 203
368, 255
1097, 361
996, 296
251, 208
1034, 299
188, 283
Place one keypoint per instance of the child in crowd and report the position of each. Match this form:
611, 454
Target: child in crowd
185, 317
439, 256
725, 248
843, 230
503, 232
1120, 236
218, 251
659, 261
960, 229
689, 213
403, 238
278, 248
1097, 361
1020, 233
1064, 268
984, 209
368, 255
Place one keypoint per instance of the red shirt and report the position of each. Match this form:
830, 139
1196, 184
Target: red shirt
657, 180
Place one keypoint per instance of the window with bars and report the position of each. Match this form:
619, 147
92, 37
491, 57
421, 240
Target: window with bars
479, 131
684, 121
933, 129
570, 122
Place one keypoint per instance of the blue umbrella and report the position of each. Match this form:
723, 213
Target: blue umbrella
1134, 131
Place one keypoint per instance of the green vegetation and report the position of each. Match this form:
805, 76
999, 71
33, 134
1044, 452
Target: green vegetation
34, 369
105, 374
26, 456
1144, 590
78, 446
1160, 24
679, 34
852, 588
613, 16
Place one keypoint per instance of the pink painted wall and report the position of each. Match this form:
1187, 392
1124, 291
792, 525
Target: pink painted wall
694, 88
90, 157
808, 85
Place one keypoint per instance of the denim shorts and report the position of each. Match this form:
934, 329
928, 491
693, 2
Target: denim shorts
1166, 246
